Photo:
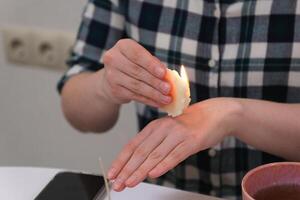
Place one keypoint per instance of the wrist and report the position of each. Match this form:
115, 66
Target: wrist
101, 89
232, 116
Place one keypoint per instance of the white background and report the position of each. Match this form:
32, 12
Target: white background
33, 131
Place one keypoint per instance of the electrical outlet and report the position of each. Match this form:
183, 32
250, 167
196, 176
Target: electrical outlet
52, 48
17, 43
43, 48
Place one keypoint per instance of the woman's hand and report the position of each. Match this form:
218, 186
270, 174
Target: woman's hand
132, 73
165, 142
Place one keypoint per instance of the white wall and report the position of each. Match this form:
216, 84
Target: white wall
33, 131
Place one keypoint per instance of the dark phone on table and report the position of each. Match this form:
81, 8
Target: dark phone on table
75, 186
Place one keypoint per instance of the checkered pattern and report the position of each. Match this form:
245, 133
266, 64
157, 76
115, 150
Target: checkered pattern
231, 48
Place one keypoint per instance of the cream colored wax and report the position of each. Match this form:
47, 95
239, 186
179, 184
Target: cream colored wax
180, 93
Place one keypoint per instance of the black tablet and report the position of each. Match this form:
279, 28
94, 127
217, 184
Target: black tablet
75, 186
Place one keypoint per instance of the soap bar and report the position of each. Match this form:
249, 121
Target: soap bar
180, 93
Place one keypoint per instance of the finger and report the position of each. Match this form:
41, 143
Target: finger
139, 73
126, 153
181, 152
142, 89
140, 155
127, 94
118, 186
140, 56
156, 156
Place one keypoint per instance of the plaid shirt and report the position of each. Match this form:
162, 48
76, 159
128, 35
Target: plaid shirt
231, 48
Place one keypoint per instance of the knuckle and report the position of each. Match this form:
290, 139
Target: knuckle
137, 71
155, 94
151, 63
141, 153
164, 165
161, 124
155, 155
135, 85
137, 55
180, 135
108, 57
121, 159
130, 147
155, 83
156, 123
120, 42
139, 173
175, 156
150, 93
123, 42
125, 172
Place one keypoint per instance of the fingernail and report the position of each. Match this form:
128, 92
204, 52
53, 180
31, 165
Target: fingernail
165, 87
166, 99
111, 173
117, 184
160, 72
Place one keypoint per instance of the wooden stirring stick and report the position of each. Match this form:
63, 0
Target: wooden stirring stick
107, 187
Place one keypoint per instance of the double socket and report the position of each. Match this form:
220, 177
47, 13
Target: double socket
38, 47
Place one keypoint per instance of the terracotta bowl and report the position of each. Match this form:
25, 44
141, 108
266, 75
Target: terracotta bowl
268, 175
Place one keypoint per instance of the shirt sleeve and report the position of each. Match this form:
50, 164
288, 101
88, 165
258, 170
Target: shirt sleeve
101, 27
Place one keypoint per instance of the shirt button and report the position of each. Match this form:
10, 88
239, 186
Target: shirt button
212, 63
217, 13
212, 153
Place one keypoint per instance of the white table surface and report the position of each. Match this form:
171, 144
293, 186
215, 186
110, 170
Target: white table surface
24, 183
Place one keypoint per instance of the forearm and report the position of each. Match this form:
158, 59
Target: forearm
270, 127
85, 106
